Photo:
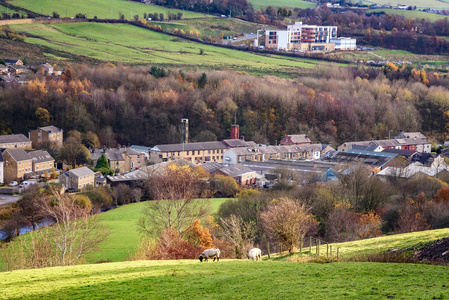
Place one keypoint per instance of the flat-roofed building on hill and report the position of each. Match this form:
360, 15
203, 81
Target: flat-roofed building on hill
302, 37
15, 141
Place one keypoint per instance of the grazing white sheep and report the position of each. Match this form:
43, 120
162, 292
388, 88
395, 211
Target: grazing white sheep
209, 253
255, 254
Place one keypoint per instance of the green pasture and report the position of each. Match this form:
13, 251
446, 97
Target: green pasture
103, 9
258, 4
410, 14
228, 279
435, 4
131, 44
7, 10
124, 233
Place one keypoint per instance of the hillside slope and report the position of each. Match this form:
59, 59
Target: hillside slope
227, 279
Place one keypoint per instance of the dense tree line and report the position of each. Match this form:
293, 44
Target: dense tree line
124, 106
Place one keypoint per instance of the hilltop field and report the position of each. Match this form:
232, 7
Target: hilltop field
131, 44
103, 9
258, 4
410, 14
433, 4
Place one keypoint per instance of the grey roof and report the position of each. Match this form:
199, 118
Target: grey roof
212, 166
140, 148
51, 129
299, 138
402, 135
236, 170
365, 147
83, 171
234, 143
40, 156
405, 153
190, 147
11, 61
131, 176
18, 154
303, 166
113, 154
370, 158
277, 149
14, 138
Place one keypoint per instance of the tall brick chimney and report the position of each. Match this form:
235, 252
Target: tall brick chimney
234, 132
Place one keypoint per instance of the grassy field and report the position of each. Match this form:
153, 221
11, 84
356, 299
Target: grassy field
435, 4
130, 44
258, 4
103, 9
5, 9
410, 14
228, 279
125, 235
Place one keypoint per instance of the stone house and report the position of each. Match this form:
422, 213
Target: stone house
16, 163
49, 134
124, 159
77, 179
42, 161
15, 141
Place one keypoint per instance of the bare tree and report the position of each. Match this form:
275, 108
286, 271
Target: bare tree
287, 220
75, 232
174, 190
239, 233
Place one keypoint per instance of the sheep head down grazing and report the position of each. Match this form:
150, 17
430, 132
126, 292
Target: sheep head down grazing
209, 253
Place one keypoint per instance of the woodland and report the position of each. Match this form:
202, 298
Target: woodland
125, 105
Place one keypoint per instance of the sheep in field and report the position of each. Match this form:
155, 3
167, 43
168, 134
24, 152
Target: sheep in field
255, 254
209, 253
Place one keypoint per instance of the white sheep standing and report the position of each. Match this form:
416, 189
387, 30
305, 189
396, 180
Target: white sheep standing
255, 254
209, 253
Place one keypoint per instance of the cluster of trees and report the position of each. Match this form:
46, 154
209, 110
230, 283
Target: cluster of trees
124, 105
75, 231
7, 33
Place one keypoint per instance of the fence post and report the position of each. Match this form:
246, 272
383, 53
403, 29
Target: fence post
318, 242
327, 250
300, 244
330, 249
268, 247
310, 244
337, 252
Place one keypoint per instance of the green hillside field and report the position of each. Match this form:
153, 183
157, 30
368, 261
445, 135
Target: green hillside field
410, 14
228, 279
103, 9
131, 44
124, 233
434, 4
258, 4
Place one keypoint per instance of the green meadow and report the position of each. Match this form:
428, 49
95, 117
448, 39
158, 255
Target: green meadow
124, 233
435, 4
228, 279
103, 9
410, 14
131, 44
7, 10
258, 4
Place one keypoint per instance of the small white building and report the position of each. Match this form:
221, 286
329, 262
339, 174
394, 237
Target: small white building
344, 43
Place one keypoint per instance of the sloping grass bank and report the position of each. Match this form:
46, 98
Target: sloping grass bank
228, 279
